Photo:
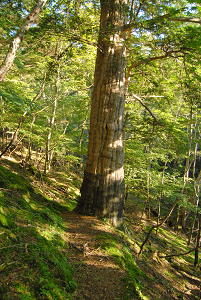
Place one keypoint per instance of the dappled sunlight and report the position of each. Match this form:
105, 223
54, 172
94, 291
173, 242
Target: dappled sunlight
31, 236
174, 240
104, 259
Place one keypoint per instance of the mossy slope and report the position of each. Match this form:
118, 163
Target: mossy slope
33, 263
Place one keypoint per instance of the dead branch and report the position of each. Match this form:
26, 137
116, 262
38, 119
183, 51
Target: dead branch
157, 226
146, 107
178, 254
74, 246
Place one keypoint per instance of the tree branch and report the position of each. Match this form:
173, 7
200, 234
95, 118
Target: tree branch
157, 226
178, 254
139, 8
146, 107
185, 19
8, 62
167, 17
81, 39
149, 59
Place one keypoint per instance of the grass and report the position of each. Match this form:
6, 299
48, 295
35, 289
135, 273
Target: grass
33, 263
114, 246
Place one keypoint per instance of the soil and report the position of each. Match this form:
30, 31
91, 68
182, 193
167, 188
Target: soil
98, 276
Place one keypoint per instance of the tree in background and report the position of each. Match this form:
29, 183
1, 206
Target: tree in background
147, 54
102, 191
8, 62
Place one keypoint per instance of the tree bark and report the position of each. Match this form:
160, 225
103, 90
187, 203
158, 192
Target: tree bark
102, 191
196, 185
8, 62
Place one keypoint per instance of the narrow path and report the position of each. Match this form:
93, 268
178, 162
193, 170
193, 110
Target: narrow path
98, 276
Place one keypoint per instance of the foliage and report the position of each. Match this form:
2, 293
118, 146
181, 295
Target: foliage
31, 243
163, 56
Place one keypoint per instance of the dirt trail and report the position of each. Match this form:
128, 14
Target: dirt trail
98, 276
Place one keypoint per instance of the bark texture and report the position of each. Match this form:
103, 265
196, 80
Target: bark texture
102, 191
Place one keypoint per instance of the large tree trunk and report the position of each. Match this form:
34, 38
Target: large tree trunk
102, 191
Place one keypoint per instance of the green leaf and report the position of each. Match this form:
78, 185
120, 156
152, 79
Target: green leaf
3, 220
18, 63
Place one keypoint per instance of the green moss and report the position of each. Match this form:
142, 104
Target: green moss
3, 220
113, 245
31, 240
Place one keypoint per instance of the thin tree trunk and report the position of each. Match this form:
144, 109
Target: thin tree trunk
185, 177
82, 134
148, 189
196, 192
197, 241
8, 62
22, 119
193, 221
64, 132
29, 143
160, 196
48, 152
2, 106
102, 191
147, 200
186, 173
1, 123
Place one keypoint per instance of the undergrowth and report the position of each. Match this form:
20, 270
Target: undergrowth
34, 255
114, 246
33, 262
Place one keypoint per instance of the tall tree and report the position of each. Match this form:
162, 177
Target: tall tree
102, 191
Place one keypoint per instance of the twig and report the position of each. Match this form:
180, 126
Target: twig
10, 247
146, 107
85, 246
92, 251
74, 246
157, 226
26, 246
178, 254
9, 263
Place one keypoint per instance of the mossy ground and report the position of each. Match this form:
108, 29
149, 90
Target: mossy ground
32, 264
48, 252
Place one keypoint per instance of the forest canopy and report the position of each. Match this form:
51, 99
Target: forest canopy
49, 50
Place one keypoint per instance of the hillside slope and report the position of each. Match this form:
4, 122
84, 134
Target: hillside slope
50, 252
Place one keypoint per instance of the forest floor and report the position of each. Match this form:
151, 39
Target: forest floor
105, 261
100, 276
